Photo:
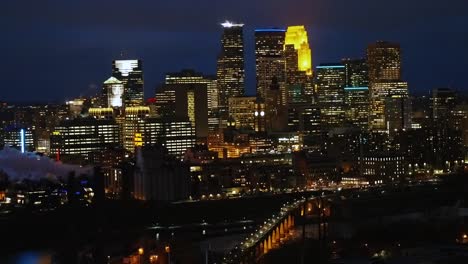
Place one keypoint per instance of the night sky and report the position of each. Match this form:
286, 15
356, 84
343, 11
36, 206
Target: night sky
57, 50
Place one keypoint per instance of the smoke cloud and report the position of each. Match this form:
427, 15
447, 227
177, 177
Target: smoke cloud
19, 166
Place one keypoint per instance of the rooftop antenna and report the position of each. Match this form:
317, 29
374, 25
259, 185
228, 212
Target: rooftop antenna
123, 54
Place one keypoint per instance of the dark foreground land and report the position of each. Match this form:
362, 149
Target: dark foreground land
117, 228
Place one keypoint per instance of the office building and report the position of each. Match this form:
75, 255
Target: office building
357, 72
76, 107
443, 101
397, 112
357, 106
304, 118
380, 93
383, 168
113, 93
230, 67
175, 134
247, 113
191, 101
185, 100
133, 126
18, 137
130, 73
164, 101
269, 59
384, 63
297, 36
189, 76
448, 134
81, 138
330, 83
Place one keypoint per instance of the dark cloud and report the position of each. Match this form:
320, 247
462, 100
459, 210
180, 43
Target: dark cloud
57, 49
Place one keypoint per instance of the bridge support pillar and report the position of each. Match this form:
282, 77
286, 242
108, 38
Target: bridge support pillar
278, 235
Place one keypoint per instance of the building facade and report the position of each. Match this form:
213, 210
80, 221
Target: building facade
230, 67
130, 73
330, 83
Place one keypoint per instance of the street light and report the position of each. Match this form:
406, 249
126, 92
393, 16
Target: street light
168, 251
140, 252
154, 258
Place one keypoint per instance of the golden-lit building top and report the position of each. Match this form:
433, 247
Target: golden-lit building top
297, 36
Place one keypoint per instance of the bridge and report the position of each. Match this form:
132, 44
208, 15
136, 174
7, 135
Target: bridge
280, 227
345, 205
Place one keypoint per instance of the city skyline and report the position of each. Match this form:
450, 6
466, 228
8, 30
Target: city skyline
265, 131
71, 45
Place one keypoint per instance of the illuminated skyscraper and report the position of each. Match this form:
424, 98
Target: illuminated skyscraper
357, 98
380, 97
357, 106
297, 36
298, 66
133, 126
330, 82
230, 67
165, 101
269, 45
130, 73
447, 127
398, 111
247, 112
189, 76
191, 102
113, 90
444, 101
384, 61
357, 72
